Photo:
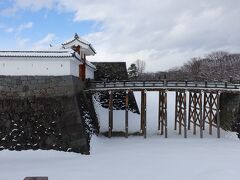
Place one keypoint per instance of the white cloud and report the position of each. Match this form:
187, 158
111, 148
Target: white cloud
9, 30
44, 42
34, 5
18, 29
164, 33
8, 11
22, 42
25, 26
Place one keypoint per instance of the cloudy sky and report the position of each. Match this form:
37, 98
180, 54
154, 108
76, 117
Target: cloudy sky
164, 33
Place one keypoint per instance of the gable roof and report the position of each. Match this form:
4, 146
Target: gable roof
79, 41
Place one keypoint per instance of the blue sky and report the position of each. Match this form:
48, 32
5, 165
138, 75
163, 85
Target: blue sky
164, 33
38, 24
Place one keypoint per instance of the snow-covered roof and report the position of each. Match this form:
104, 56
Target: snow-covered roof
45, 54
49, 54
81, 42
76, 55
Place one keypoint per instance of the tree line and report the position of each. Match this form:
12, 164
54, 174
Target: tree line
216, 66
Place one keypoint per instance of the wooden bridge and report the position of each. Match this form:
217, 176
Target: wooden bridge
203, 103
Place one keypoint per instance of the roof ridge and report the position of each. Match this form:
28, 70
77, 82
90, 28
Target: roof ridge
36, 51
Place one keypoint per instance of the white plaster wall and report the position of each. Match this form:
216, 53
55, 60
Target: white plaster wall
74, 67
89, 72
35, 66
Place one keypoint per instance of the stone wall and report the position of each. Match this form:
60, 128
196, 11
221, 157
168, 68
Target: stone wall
45, 112
230, 112
112, 71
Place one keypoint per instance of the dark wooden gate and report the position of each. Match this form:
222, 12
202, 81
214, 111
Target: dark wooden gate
82, 71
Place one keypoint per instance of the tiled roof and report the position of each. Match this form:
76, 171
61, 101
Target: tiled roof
50, 54
80, 40
45, 54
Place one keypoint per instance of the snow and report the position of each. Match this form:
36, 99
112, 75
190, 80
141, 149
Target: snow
119, 158
46, 53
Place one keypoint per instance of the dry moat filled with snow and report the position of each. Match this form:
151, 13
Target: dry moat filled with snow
119, 158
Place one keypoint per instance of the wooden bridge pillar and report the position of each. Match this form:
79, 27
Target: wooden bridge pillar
181, 112
162, 113
195, 111
143, 113
110, 109
211, 112
126, 113
218, 115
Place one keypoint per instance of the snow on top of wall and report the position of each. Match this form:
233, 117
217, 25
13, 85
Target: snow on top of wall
76, 55
46, 53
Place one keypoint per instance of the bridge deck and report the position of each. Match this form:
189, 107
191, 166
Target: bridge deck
164, 85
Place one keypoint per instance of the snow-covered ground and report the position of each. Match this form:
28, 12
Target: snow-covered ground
119, 158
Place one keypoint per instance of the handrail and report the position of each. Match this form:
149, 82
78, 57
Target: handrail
162, 84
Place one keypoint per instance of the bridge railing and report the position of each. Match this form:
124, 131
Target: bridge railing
161, 84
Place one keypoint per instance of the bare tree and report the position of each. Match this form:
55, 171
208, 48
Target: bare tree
217, 55
220, 66
193, 68
141, 65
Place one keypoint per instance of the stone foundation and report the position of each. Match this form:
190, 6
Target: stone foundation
45, 113
230, 112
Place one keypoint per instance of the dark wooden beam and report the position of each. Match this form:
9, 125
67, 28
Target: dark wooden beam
176, 110
201, 114
218, 114
110, 123
145, 113
165, 114
185, 115
142, 113
126, 113
159, 110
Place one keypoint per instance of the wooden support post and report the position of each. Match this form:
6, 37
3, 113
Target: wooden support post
159, 110
194, 113
181, 112
110, 123
210, 114
189, 109
212, 111
185, 116
145, 114
162, 112
126, 114
165, 102
176, 111
201, 115
204, 109
142, 113
218, 114
180, 115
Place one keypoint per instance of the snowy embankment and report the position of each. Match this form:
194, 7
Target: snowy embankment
119, 158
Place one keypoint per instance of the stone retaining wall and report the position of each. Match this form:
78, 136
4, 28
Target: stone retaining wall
44, 112
230, 112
